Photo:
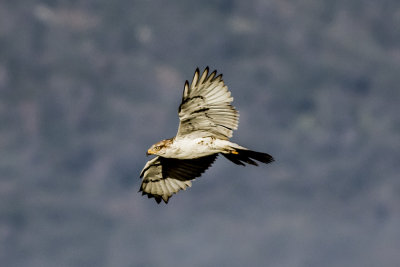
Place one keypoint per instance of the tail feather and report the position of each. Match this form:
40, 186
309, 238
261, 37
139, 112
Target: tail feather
241, 156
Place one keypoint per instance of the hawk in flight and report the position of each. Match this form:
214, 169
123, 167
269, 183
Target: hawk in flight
207, 120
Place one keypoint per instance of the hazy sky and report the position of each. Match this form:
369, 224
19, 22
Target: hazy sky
87, 86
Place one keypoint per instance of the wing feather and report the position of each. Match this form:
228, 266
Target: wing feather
174, 186
206, 107
163, 177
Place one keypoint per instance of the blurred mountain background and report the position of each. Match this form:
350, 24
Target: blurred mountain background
87, 86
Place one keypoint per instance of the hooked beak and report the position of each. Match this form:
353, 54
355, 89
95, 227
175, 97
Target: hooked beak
149, 152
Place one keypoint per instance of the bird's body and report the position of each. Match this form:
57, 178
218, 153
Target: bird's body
207, 120
183, 148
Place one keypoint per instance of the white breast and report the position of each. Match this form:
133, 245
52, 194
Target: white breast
186, 148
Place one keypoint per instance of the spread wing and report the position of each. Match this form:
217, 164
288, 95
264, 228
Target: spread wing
163, 177
206, 108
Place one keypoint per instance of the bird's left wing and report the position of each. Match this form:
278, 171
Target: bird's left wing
163, 177
206, 108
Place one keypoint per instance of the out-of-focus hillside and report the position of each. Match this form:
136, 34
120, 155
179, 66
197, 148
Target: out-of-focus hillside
87, 86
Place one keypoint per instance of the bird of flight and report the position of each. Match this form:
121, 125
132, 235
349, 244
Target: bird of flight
207, 120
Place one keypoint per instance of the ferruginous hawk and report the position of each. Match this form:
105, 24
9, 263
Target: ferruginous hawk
207, 120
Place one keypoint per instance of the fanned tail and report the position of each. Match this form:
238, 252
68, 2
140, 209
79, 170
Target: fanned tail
241, 156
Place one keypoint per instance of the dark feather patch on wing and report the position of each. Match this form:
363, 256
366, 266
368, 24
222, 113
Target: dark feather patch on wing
163, 177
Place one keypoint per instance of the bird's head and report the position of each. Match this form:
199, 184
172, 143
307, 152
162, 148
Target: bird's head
160, 147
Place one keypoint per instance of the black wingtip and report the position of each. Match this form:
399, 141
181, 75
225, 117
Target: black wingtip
160, 198
184, 89
219, 77
213, 74
157, 198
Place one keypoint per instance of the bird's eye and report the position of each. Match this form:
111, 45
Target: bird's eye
157, 147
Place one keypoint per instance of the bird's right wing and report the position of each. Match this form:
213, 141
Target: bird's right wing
206, 108
163, 177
